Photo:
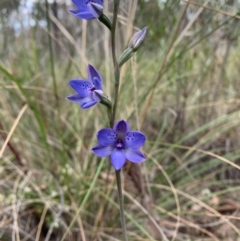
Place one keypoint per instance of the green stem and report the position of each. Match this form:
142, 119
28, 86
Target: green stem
116, 84
115, 104
115, 62
109, 113
118, 176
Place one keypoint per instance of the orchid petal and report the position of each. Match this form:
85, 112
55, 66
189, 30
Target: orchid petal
102, 151
99, 2
86, 99
118, 158
88, 104
95, 9
121, 127
134, 139
85, 15
80, 3
74, 12
82, 87
107, 137
75, 98
94, 77
96, 95
134, 155
97, 83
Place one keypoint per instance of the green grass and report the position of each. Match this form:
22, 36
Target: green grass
180, 90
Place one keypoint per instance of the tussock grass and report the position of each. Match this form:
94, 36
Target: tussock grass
180, 89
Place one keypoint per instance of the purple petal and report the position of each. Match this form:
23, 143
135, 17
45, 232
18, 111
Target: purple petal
102, 151
95, 77
95, 9
121, 127
80, 4
96, 95
75, 98
134, 139
97, 83
118, 158
88, 104
86, 14
107, 137
134, 155
74, 12
82, 100
99, 2
78, 99
82, 87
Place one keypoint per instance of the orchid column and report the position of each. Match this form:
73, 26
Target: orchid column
117, 141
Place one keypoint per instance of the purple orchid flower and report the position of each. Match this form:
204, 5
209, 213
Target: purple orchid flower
88, 92
88, 9
121, 144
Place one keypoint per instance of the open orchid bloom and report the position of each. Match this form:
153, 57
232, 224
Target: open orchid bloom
89, 91
121, 144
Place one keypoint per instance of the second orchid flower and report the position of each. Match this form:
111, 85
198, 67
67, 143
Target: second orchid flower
89, 92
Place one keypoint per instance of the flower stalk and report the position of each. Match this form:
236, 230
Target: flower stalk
116, 89
115, 62
119, 186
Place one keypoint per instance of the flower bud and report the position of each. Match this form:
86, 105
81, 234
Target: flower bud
126, 55
95, 9
137, 39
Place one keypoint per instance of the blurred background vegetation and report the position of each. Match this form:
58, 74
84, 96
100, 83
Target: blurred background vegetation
181, 89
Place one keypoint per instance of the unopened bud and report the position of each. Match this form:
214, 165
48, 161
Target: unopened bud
126, 55
95, 9
137, 39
